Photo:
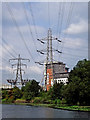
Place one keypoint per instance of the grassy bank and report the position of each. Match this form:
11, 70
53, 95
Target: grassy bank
64, 107
38, 101
59, 106
47, 104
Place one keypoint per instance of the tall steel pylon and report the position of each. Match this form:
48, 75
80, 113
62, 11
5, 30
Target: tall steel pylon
49, 51
18, 70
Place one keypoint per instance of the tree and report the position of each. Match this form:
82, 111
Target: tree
16, 93
31, 90
55, 91
4, 93
78, 89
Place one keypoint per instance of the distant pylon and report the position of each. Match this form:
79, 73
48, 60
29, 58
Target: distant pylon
18, 71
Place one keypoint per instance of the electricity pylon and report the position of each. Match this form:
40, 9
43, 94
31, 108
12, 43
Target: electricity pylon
18, 71
49, 52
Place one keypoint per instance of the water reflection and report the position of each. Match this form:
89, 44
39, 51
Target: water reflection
21, 111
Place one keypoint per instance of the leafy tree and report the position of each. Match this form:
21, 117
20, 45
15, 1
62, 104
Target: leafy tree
78, 89
55, 91
31, 90
16, 93
4, 93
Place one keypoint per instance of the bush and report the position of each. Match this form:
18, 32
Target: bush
4, 100
11, 99
58, 101
63, 101
37, 100
17, 93
4, 94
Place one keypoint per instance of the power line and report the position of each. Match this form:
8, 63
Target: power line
5, 48
59, 14
28, 21
72, 54
5, 60
8, 51
62, 16
68, 21
76, 49
69, 18
14, 20
70, 14
4, 41
62, 8
30, 6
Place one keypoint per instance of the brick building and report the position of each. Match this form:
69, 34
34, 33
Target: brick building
57, 72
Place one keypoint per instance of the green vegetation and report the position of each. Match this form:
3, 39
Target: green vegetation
11, 95
73, 96
78, 89
28, 92
31, 90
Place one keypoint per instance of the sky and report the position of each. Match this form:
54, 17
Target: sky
24, 22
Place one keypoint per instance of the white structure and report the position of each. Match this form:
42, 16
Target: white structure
5, 86
63, 80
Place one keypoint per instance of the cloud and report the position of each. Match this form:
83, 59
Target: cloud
73, 42
77, 28
6, 49
11, 9
35, 69
14, 38
0, 50
6, 68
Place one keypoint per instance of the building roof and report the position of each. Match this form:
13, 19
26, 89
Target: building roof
56, 62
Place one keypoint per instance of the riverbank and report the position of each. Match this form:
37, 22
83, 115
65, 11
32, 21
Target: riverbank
63, 107
52, 105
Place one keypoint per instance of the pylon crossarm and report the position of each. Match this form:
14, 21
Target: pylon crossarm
39, 63
58, 51
25, 59
13, 65
42, 39
13, 59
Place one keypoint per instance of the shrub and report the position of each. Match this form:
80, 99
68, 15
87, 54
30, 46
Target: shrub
11, 99
58, 101
37, 100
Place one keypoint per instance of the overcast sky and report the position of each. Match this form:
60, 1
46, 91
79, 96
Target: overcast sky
23, 23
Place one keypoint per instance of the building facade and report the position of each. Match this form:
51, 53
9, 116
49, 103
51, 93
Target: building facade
56, 72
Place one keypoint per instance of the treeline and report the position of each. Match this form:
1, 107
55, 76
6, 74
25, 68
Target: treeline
76, 92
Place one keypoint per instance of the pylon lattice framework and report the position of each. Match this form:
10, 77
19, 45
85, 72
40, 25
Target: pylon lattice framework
19, 79
49, 57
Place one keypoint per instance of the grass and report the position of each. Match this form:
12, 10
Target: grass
57, 106
63, 107
77, 108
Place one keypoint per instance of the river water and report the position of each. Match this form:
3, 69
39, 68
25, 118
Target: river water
24, 111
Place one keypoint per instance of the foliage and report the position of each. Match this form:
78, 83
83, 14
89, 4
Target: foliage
11, 95
55, 91
4, 93
78, 89
76, 92
31, 90
16, 93
37, 100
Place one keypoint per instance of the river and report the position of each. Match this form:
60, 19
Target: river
24, 111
